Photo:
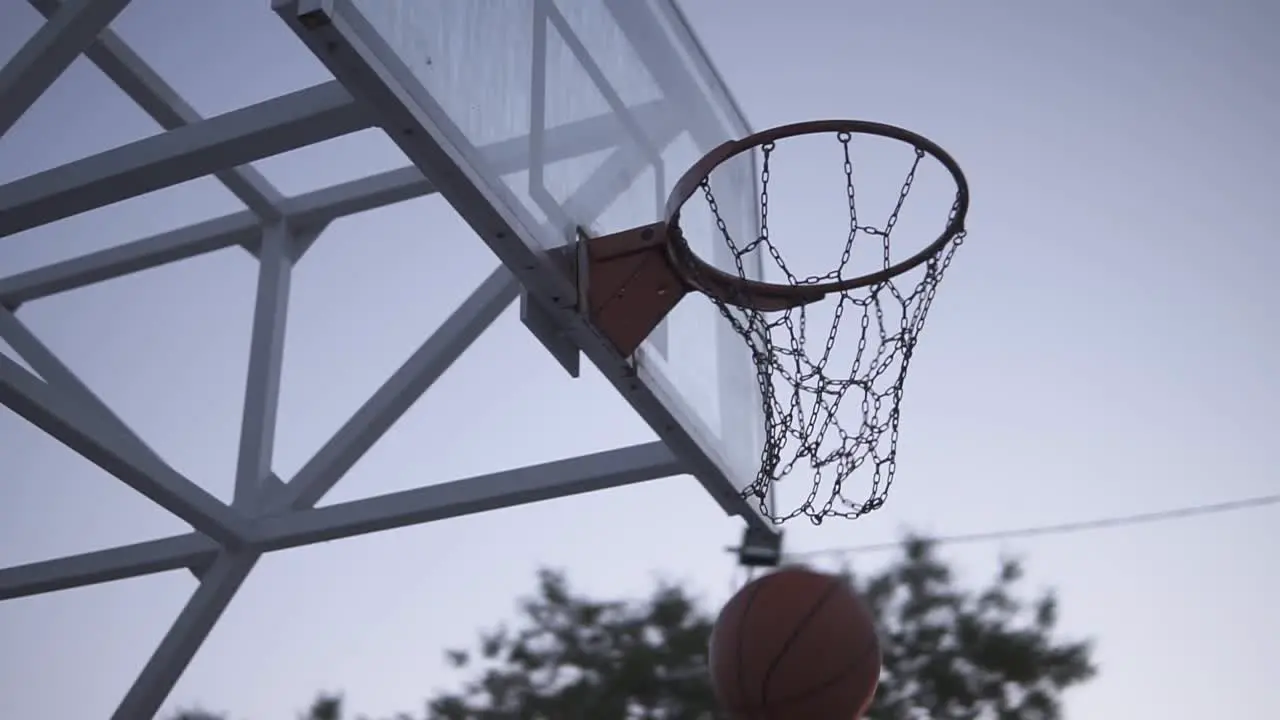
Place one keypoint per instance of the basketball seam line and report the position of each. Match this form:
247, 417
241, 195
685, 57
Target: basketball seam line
813, 689
742, 639
837, 677
786, 646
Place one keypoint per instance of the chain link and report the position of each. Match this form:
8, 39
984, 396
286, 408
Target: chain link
805, 429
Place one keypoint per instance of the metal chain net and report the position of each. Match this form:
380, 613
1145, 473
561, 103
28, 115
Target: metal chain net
833, 419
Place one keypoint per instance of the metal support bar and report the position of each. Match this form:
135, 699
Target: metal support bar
266, 357
401, 390
47, 365
102, 566
145, 87
547, 331
43, 59
274, 126
113, 262
563, 142
221, 579
309, 210
293, 528
562, 478
185, 636
356, 196
108, 448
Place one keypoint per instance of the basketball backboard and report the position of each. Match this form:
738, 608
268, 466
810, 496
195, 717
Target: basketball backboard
540, 118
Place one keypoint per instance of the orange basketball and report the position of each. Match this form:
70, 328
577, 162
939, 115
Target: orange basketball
795, 644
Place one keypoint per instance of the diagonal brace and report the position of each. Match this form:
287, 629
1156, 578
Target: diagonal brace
106, 446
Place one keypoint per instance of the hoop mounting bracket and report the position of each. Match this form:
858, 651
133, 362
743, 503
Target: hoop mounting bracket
630, 285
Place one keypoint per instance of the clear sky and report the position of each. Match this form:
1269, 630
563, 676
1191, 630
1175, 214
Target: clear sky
1104, 345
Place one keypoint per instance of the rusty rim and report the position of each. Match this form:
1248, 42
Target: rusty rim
760, 295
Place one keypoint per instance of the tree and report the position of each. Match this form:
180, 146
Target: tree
948, 652
575, 657
325, 707
956, 653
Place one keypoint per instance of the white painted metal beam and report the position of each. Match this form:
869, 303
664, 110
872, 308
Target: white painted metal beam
240, 228
509, 488
145, 87
57, 375
106, 446
570, 140
394, 398
294, 528
241, 136
266, 359
562, 478
118, 563
185, 636
43, 59
307, 211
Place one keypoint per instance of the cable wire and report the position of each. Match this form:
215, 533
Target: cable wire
1063, 528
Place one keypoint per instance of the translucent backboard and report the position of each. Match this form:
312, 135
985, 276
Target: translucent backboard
560, 115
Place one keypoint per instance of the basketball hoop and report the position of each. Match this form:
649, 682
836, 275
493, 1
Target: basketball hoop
634, 278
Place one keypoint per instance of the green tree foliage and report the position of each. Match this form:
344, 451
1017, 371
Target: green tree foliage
574, 657
949, 653
325, 707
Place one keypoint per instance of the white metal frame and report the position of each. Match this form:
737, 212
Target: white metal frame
267, 513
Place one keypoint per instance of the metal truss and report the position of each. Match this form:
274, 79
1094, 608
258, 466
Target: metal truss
267, 513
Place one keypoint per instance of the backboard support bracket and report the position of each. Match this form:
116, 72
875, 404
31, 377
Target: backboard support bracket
550, 334
761, 547
626, 284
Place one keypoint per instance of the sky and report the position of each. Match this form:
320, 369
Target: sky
1103, 346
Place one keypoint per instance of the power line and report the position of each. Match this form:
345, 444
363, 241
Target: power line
1064, 528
